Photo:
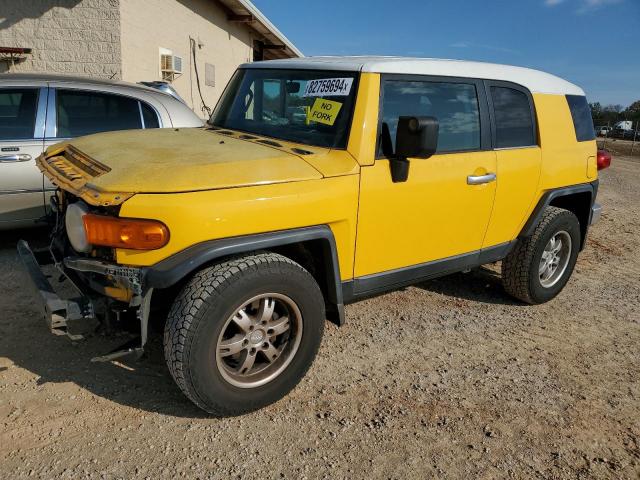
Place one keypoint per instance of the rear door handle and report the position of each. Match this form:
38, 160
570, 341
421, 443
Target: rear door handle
480, 179
16, 157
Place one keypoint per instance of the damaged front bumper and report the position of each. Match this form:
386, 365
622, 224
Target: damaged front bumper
76, 317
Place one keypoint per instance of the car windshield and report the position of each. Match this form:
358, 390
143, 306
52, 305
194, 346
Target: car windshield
304, 106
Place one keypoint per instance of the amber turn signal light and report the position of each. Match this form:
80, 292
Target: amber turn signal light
127, 233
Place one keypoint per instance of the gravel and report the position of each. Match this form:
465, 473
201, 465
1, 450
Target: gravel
448, 379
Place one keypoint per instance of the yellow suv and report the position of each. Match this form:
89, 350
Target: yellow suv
317, 182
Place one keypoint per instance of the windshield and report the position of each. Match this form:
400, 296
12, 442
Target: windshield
304, 106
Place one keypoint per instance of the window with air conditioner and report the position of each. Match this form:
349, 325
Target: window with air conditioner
170, 65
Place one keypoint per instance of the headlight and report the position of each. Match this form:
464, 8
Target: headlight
75, 227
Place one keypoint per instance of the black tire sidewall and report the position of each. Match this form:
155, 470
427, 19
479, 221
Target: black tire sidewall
568, 222
209, 384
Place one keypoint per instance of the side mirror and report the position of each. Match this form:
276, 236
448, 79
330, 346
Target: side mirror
293, 87
416, 137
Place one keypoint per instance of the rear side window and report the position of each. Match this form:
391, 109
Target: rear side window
455, 105
581, 114
83, 113
513, 117
18, 113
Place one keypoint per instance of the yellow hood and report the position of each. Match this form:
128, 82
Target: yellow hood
170, 160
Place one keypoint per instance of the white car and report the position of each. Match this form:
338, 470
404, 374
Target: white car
603, 131
37, 111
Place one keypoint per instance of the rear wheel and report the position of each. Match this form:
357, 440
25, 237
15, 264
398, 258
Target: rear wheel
242, 333
539, 267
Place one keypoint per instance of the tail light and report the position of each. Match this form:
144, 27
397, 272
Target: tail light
603, 159
130, 233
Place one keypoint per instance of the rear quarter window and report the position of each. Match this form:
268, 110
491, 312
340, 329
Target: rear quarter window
582, 121
149, 116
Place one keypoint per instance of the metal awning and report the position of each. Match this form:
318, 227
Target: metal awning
15, 50
274, 43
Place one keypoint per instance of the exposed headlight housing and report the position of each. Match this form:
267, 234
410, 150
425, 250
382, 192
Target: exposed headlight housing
74, 223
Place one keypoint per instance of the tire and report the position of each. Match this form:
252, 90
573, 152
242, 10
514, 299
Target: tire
521, 276
224, 303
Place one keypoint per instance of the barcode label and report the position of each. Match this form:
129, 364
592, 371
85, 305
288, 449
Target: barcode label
328, 87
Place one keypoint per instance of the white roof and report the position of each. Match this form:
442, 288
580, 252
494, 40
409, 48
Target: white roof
534, 80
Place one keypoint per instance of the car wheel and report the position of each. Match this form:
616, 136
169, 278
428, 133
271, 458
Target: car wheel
539, 266
243, 333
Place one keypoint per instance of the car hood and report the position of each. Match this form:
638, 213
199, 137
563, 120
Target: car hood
170, 160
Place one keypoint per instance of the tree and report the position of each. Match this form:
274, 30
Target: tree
617, 108
634, 107
610, 114
633, 112
607, 115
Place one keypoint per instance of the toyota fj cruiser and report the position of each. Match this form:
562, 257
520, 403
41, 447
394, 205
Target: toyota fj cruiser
317, 182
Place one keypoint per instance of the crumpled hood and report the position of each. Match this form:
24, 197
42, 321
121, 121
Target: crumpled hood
172, 160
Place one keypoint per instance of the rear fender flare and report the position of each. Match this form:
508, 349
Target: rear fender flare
555, 194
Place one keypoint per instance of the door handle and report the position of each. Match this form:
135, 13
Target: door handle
16, 157
480, 179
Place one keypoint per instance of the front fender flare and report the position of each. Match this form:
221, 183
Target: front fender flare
173, 269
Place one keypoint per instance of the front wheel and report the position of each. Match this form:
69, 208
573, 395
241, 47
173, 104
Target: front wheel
243, 333
539, 267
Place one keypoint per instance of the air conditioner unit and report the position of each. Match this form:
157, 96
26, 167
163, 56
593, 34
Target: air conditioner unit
177, 64
170, 66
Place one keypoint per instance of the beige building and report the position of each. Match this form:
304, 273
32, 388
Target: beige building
185, 42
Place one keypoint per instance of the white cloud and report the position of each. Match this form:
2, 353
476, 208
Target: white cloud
585, 5
590, 5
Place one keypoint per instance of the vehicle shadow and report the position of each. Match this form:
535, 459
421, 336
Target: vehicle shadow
479, 285
141, 384
37, 237
26, 342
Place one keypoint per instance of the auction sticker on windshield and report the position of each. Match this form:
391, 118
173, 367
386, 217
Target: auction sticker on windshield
324, 111
328, 87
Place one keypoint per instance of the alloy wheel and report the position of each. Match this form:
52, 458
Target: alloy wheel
259, 340
555, 259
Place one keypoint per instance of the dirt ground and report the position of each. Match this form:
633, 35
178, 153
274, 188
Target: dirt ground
620, 147
448, 379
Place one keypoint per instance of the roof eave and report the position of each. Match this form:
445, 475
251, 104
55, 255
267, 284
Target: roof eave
265, 23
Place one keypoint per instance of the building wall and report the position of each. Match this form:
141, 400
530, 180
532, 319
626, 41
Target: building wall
151, 25
79, 37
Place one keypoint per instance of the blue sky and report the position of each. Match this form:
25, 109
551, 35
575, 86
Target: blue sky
593, 43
